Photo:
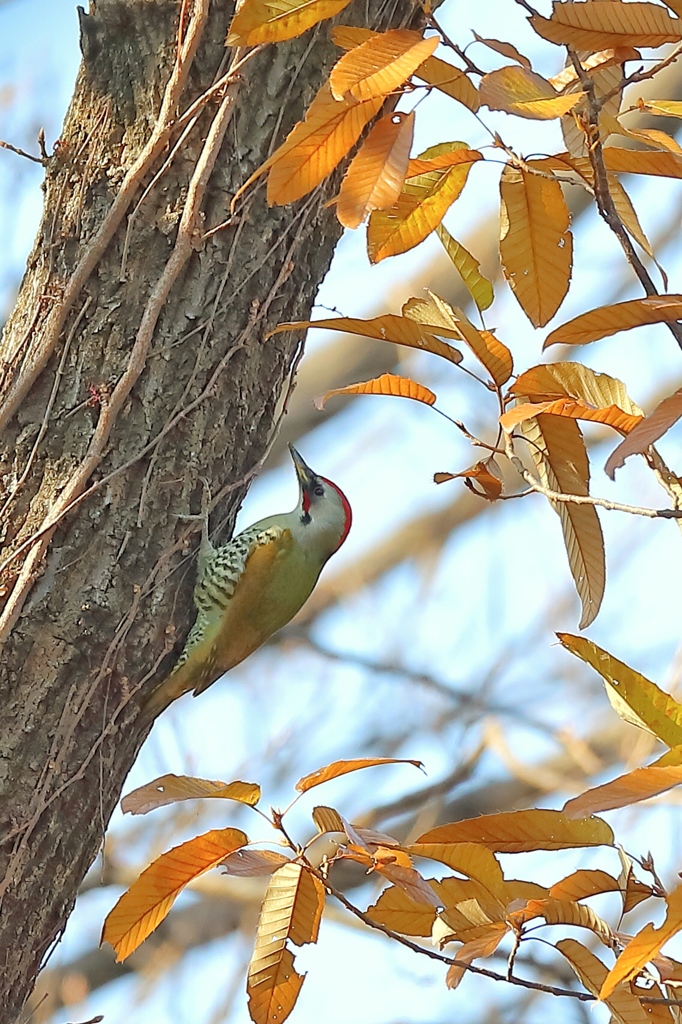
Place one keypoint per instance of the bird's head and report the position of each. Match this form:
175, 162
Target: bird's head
323, 508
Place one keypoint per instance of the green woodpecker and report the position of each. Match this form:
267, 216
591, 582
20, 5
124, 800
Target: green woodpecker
252, 586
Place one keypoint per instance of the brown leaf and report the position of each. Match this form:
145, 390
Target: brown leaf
645, 945
621, 316
568, 912
486, 474
610, 416
410, 880
169, 789
525, 93
665, 415
377, 173
519, 831
631, 161
631, 788
388, 384
262, 21
536, 246
468, 858
483, 944
396, 910
584, 883
449, 80
598, 24
379, 65
253, 863
147, 902
479, 287
633, 892
337, 768
506, 49
594, 63
548, 381
328, 819
625, 1007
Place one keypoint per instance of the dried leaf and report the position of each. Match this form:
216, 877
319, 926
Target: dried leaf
291, 910
397, 911
665, 415
633, 892
271, 21
469, 858
147, 902
631, 161
598, 24
668, 108
377, 173
449, 80
350, 36
479, 287
411, 882
556, 911
388, 384
519, 831
583, 883
610, 416
486, 474
536, 246
631, 788
169, 789
593, 64
337, 768
634, 697
525, 93
506, 49
548, 381
623, 1004
328, 819
621, 316
253, 863
645, 945
483, 944
400, 330
379, 65
441, 158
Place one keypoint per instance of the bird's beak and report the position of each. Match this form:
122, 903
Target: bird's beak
304, 473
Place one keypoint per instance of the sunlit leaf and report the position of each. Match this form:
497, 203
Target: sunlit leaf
147, 902
667, 108
483, 944
380, 64
556, 911
271, 21
506, 49
665, 415
169, 789
631, 161
479, 287
337, 768
328, 819
400, 330
597, 24
583, 883
442, 158
519, 831
486, 473
634, 697
621, 316
388, 384
633, 892
468, 858
536, 246
625, 1007
451, 81
253, 863
630, 788
610, 416
410, 881
645, 945
397, 911
525, 93
377, 173
350, 36
423, 202
547, 381
594, 63
291, 910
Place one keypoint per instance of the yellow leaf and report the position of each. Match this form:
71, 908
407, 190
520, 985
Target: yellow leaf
645, 945
536, 246
291, 910
169, 789
377, 173
594, 63
328, 819
631, 161
572, 408
506, 49
598, 24
484, 944
640, 784
479, 287
623, 1004
410, 881
524, 93
520, 831
442, 157
271, 21
556, 911
469, 858
468, 902
147, 902
665, 415
486, 473
575, 380
378, 66
423, 202
350, 36
337, 768
634, 697
449, 80
388, 384
583, 883
397, 911
668, 108
621, 316
400, 330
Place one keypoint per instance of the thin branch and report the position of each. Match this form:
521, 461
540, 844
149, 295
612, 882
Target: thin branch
435, 24
21, 152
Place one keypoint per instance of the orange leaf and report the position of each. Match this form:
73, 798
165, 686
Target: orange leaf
624, 1005
483, 944
598, 24
645, 945
400, 330
486, 473
253, 863
621, 316
556, 911
377, 173
668, 108
524, 93
423, 202
519, 831
653, 426
337, 768
443, 157
574, 380
633, 892
468, 858
631, 161
583, 883
449, 80
397, 911
640, 784
147, 902
506, 49
409, 879
271, 21
350, 36
536, 246
169, 789
378, 66
388, 384
594, 63
479, 287
572, 408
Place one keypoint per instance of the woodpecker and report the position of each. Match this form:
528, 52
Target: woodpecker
251, 587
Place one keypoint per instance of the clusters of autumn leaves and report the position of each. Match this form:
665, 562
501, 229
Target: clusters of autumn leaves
476, 907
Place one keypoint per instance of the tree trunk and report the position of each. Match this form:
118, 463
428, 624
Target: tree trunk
135, 362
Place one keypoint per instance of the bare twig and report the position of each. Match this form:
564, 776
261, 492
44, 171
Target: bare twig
21, 152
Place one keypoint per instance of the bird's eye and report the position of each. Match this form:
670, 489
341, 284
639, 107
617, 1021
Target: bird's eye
319, 492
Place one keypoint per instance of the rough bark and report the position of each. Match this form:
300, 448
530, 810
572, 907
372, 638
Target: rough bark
135, 362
